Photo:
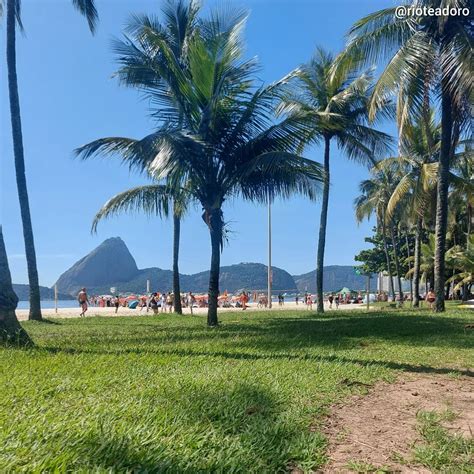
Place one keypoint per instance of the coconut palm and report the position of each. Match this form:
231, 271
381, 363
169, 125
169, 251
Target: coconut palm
220, 137
153, 199
10, 329
375, 194
462, 259
334, 105
417, 163
426, 54
13, 10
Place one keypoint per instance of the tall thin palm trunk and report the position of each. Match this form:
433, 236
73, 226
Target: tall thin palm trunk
417, 263
215, 224
10, 329
35, 306
391, 288
397, 262
409, 265
176, 286
442, 198
322, 229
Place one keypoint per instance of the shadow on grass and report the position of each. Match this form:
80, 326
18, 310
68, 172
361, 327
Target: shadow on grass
421, 368
246, 416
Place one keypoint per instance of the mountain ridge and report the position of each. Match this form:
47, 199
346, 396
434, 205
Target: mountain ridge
112, 265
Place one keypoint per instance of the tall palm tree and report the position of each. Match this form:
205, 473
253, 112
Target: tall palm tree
153, 199
10, 329
375, 194
417, 163
334, 104
426, 54
220, 137
13, 10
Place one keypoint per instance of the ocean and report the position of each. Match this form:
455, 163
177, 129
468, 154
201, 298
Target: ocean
49, 304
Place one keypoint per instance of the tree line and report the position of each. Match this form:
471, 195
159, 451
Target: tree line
220, 135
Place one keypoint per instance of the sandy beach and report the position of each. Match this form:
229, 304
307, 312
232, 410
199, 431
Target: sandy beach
22, 314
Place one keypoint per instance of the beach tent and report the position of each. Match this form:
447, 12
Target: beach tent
345, 291
133, 304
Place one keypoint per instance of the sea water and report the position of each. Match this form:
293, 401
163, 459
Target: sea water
49, 304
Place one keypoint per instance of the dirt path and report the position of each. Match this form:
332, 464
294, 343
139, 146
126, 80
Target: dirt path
372, 428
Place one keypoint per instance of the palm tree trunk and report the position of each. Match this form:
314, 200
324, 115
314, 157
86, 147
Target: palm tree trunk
442, 198
10, 329
176, 286
391, 288
416, 270
322, 229
397, 262
215, 223
35, 306
409, 265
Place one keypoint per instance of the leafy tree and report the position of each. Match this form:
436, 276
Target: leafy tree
13, 14
333, 102
426, 54
219, 138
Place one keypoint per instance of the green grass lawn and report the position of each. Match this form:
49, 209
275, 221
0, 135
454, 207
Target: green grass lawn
164, 393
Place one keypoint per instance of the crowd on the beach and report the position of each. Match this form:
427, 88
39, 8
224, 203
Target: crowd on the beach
165, 301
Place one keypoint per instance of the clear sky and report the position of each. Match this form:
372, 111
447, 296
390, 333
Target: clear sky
69, 97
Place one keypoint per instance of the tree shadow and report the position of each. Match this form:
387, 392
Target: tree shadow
246, 416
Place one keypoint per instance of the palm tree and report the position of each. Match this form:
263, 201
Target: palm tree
220, 137
462, 259
427, 54
87, 8
334, 105
10, 329
375, 194
153, 199
417, 163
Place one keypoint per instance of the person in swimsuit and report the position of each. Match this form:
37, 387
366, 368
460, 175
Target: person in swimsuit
430, 298
83, 301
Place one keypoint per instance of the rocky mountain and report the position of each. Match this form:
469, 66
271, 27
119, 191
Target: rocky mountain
335, 278
109, 264
112, 265
23, 293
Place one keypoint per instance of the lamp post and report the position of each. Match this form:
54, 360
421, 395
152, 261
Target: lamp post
269, 282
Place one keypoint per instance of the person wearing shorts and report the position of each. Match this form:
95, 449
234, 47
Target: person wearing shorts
169, 302
83, 300
154, 303
330, 299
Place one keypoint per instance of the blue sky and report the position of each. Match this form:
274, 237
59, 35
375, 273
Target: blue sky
68, 97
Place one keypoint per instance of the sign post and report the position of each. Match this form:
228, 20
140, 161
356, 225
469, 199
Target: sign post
269, 276
56, 299
147, 293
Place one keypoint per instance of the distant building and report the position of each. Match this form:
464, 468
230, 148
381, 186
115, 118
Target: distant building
383, 286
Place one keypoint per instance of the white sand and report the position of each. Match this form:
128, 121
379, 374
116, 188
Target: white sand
22, 314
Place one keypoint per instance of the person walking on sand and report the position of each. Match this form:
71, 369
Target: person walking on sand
309, 302
430, 298
191, 301
330, 299
83, 301
154, 303
163, 302
117, 303
169, 302
337, 300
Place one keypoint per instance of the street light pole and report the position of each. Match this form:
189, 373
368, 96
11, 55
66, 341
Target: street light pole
269, 282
